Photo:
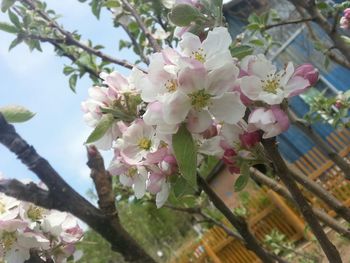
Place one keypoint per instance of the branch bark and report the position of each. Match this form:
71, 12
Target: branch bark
61, 196
304, 207
298, 21
321, 193
320, 143
278, 188
238, 223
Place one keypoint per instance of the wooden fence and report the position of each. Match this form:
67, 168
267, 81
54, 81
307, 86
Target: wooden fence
268, 211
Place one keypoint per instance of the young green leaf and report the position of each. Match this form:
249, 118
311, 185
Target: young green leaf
73, 82
6, 4
15, 113
102, 127
186, 154
241, 51
181, 187
184, 14
8, 28
243, 179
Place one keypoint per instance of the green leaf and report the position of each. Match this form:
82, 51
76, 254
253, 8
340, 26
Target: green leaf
243, 179
68, 70
6, 4
257, 42
14, 19
322, 5
186, 154
111, 4
15, 42
253, 27
241, 51
181, 187
8, 28
102, 127
73, 82
15, 113
184, 14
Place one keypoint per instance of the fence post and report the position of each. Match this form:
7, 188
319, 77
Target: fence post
290, 215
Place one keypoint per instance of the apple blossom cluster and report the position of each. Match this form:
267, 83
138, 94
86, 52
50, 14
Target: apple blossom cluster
227, 105
26, 228
345, 19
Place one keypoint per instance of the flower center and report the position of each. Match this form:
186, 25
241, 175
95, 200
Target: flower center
199, 99
131, 172
199, 55
171, 85
35, 213
271, 84
144, 144
2, 208
7, 239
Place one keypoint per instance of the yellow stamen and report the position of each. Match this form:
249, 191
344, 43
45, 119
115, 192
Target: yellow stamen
199, 99
145, 144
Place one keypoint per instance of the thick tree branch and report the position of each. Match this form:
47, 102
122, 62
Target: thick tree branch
152, 41
283, 172
238, 223
103, 183
306, 128
64, 198
70, 40
278, 188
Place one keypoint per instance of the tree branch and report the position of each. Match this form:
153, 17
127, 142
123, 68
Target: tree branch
304, 207
238, 223
70, 40
298, 21
278, 188
306, 128
64, 198
153, 42
321, 193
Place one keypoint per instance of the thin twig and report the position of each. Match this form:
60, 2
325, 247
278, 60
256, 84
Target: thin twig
152, 41
298, 21
70, 40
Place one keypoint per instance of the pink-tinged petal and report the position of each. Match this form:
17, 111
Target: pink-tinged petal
192, 79
237, 87
287, 74
228, 108
217, 60
180, 31
133, 155
176, 107
250, 139
281, 118
154, 113
218, 40
154, 182
115, 81
126, 180
251, 87
170, 55
12, 225
261, 67
198, 121
220, 79
163, 195
295, 86
190, 43
231, 134
309, 72
139, 186
157, 156
211, 147
272, 98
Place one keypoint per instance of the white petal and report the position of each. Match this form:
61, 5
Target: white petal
231, 133
199, 121
218, 40
228, 108
211, 147
176, 107
139, 187
162, 196
251, 87
190, 43
221, 79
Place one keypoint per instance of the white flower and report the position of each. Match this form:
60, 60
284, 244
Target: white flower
264, 83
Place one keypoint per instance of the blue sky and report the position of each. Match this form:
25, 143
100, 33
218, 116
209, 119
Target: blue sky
35, 80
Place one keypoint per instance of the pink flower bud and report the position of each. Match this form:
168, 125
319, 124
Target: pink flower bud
345, 22
307, 71
347, 13
250, 139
